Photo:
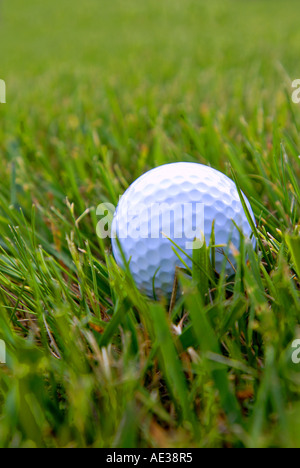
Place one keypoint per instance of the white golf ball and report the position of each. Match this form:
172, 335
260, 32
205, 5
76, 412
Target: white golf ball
177, 201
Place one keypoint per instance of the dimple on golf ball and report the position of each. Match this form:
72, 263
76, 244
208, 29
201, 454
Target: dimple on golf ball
177, 201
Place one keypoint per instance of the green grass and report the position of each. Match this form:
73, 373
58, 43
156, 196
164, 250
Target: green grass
97, 93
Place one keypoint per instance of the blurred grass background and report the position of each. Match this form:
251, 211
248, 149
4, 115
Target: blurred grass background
137, 73
97, 93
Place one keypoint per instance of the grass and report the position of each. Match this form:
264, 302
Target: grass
96, 95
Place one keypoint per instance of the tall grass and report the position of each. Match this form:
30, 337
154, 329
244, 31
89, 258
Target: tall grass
97, 93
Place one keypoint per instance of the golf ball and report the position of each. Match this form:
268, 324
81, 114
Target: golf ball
177, 202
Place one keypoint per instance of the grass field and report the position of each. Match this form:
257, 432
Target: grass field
99, 92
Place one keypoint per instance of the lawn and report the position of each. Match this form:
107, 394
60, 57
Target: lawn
98, 93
